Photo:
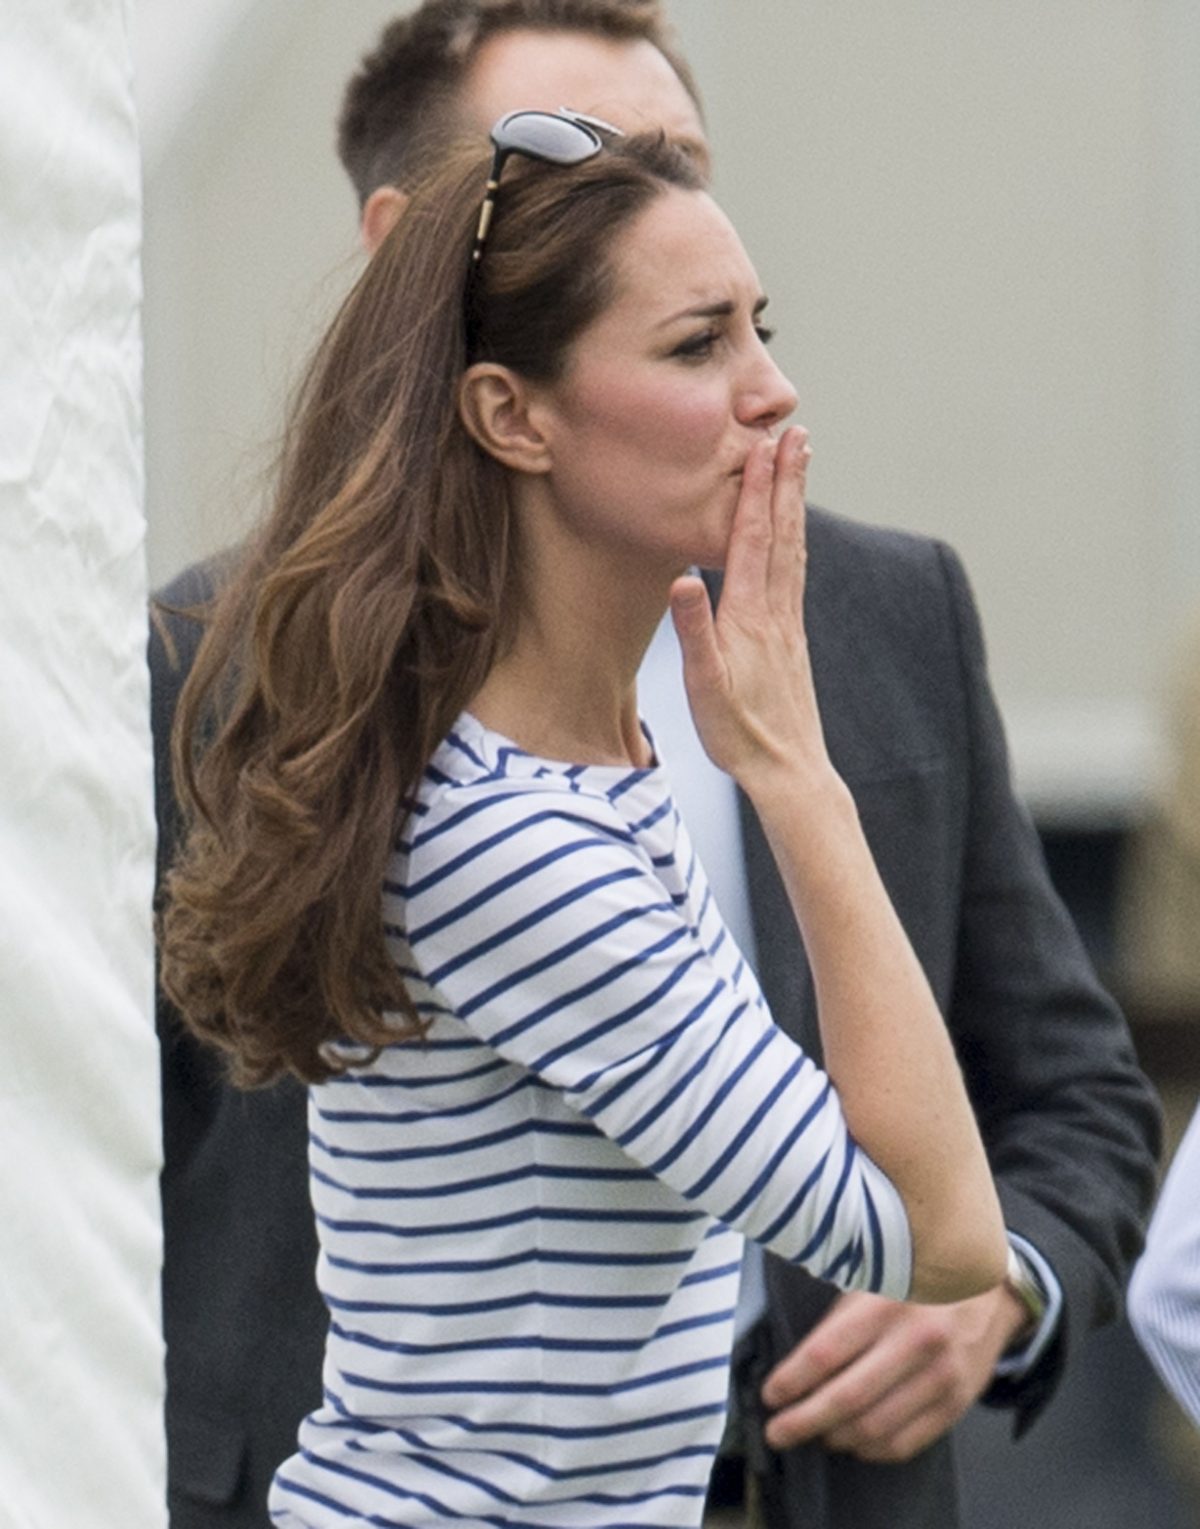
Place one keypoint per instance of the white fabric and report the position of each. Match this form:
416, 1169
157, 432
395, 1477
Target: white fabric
81, 1436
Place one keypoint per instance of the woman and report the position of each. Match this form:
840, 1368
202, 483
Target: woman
546, 1091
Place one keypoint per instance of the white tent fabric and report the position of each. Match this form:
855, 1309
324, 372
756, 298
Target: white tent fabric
81, 1434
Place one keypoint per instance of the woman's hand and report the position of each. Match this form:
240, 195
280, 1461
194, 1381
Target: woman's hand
749, 682
747, 670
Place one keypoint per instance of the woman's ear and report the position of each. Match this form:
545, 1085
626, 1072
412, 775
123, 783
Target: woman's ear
501, 415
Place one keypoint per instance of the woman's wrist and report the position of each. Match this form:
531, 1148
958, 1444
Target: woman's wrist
790, 796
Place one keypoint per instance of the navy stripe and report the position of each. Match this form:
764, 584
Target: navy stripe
506, 1303
488, 1181
514, 1260
310, 1494
876, 1237
578, 1216
739, 1207
645, 1001
638, 1463
506, 883
426, 1043
712, 1105
529, 1387
750, 1128
475, 850
456, 1148
846, 1262
557, 956
634, 778
811, 1180
665, 1101
661, 1053
664, 809
483, 1070
531, 920
536, 1342
455, 740
450, 821
643, 1423
412, 1117
825, 1226
594, 985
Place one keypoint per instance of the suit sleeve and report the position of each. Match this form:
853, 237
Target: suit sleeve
191, 1078
1071, 1125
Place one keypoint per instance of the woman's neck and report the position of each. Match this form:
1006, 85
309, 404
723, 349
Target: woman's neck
543, 722
567, 688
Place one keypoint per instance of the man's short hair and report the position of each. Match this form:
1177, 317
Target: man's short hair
404, 101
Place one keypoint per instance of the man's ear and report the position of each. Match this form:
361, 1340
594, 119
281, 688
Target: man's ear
380, 214
503, 416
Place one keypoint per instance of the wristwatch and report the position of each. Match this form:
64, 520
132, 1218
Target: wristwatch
1021, 1280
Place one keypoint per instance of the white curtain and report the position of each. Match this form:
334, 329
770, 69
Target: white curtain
81, 1435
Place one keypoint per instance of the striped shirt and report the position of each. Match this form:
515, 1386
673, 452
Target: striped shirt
530, 1222
1164, 1293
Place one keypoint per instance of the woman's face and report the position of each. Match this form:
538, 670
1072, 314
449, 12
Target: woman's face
666, 392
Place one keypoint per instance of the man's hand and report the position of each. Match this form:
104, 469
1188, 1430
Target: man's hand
883, 1379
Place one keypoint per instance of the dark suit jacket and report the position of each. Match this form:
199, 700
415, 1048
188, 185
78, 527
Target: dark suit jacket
1069, 1121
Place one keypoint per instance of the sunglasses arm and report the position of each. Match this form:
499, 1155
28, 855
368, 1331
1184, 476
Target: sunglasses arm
489, 203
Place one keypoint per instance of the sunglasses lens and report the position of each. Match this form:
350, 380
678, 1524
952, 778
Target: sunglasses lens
543, 136
555, 138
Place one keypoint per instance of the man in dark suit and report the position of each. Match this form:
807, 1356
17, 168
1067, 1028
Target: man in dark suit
861, 1394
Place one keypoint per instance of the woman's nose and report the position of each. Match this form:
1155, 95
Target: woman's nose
768, 396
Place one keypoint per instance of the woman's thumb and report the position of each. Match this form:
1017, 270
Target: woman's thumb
692, 615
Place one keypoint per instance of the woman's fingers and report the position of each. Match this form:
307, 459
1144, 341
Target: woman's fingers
747, 561
765, 562
746, 671
785, 581
691, 612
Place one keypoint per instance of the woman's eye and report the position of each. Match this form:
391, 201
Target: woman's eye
698, 346
765, 333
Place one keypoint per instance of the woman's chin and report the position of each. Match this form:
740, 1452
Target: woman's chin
712, 550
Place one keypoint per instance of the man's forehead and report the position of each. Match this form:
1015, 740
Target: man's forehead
624, 81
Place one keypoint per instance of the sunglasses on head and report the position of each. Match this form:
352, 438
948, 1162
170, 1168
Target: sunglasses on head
556, 138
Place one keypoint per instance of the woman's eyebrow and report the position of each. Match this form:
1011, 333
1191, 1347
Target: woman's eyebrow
718, 310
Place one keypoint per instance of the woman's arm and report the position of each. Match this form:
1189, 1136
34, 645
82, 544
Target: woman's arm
886, 1047
534, 916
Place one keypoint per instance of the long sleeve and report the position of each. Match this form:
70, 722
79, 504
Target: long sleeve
541, 918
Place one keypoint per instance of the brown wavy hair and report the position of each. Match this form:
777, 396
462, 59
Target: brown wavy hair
369, 609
